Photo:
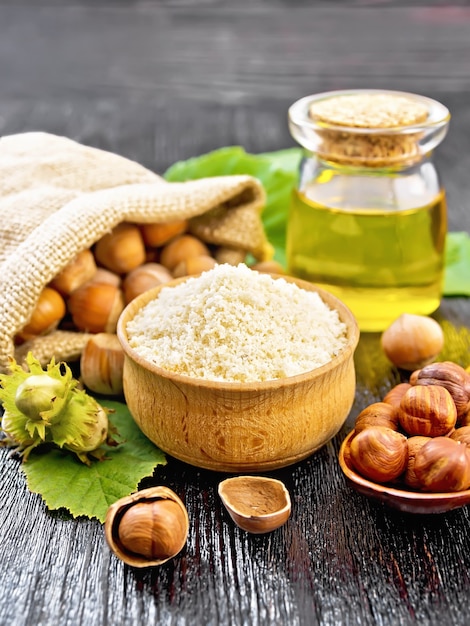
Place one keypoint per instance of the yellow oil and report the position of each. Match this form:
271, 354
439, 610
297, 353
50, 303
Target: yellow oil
380, 262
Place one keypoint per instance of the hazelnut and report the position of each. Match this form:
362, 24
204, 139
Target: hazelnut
181, 249
102, 364
414, 444
442, 465
464, 419
194, 265
143, 278
412, 341
467, 382
396, 393
48, 312
103, 275
159, 234
427, 410
449, 375
148, 527
377, 414
122, 249
78, 272
379, 453
269, 267
461, 434
95, 307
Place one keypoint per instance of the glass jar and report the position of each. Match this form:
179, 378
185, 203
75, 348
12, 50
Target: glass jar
368, 220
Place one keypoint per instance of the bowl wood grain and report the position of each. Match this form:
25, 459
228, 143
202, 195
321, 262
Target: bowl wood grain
234, 427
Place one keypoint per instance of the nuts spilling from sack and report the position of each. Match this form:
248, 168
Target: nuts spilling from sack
91, 292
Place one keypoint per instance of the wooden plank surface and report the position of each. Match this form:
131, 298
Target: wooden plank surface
162, 81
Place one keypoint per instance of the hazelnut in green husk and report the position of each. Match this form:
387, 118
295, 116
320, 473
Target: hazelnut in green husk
48, 406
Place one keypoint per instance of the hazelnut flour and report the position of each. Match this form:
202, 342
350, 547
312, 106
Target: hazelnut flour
234, 324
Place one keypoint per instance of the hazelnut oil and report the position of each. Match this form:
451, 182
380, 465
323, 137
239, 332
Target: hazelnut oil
378, 261
368, 220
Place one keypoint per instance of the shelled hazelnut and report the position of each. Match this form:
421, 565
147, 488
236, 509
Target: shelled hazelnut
427, 410
379, 453
415, 443
462, 434
422, 414
449, 375
377, 414
442, 464
395, 394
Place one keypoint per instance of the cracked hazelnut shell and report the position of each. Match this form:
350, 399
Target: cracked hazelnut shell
147, 528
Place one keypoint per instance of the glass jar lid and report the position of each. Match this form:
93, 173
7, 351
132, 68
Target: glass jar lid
369, 127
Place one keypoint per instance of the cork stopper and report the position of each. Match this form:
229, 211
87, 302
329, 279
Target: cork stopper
371, 129
369, 110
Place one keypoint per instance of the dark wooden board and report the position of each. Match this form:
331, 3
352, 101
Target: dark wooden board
161, 81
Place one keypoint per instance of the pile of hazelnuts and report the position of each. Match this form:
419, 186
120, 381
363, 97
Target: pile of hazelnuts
418, 436
90, 293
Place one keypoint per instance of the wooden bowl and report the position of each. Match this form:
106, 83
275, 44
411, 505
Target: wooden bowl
402, 499
240, 427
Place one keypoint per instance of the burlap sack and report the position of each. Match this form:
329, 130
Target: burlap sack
58, 197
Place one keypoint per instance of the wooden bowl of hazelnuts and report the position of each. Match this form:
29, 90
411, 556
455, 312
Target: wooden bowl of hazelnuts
411, 451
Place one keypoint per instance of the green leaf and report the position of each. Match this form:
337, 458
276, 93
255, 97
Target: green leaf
64, 482
457, 274
278, 171
287, 160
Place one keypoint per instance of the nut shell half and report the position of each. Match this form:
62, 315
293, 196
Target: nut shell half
255, 503
174, 522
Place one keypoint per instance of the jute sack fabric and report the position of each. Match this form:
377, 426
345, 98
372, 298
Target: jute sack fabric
58, 197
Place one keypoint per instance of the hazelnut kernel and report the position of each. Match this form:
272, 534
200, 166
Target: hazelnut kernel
443, 465
427, 410
154, 530
379, 453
